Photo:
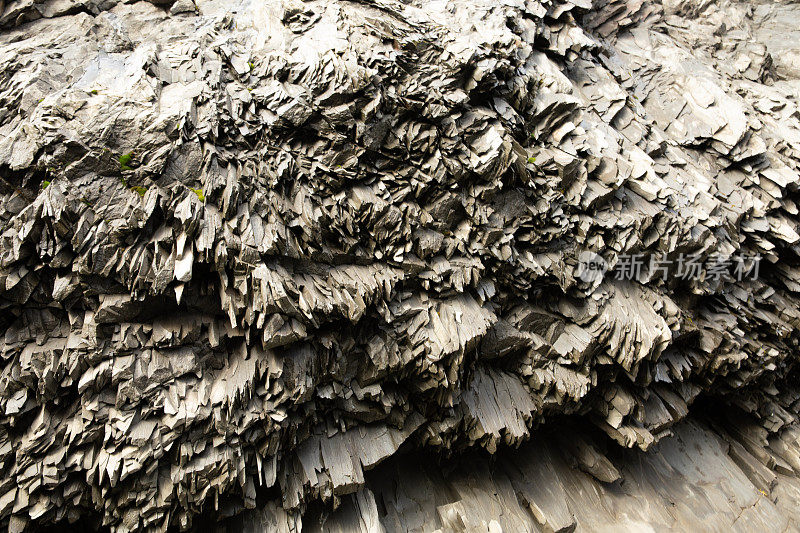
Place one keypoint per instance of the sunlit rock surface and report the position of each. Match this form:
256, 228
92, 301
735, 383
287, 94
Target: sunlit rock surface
284, 265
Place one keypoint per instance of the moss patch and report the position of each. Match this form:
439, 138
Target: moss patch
125, 161
200, 195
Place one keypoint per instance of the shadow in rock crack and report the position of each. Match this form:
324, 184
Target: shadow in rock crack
706, 476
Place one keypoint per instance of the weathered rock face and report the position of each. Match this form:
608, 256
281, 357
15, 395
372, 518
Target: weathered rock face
251, 249
562, 481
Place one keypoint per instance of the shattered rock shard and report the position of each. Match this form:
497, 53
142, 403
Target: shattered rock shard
322, 265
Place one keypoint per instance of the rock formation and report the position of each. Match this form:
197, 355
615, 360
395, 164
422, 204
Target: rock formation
251, 250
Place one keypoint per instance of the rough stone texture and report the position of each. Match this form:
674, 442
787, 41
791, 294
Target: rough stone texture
251, 249
689, 482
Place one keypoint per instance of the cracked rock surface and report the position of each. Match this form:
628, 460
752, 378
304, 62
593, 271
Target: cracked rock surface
251, 250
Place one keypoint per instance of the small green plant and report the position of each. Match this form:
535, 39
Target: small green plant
93, 91
140, 190
125, 161
200, 195
531, 159
45, 184
252, 65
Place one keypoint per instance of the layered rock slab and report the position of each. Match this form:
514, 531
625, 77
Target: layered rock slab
251, 250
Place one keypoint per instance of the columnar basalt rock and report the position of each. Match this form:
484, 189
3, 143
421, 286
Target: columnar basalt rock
250, 250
